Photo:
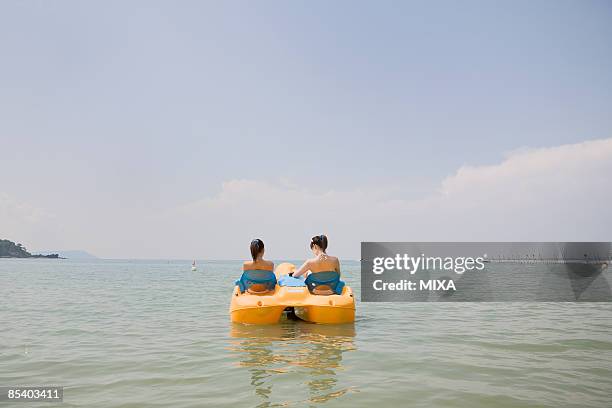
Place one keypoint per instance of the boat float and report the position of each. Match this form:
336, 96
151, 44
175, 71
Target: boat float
261, 297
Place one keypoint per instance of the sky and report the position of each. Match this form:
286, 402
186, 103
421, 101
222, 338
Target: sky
145, 129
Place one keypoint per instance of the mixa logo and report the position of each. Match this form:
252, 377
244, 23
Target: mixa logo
436, 284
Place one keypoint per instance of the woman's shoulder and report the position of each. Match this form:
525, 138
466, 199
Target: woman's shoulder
267, 263
258, 264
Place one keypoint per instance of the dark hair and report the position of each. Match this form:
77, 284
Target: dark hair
320, 241
257, 247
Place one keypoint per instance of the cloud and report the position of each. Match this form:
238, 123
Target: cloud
285, 216
558, 193
537, 168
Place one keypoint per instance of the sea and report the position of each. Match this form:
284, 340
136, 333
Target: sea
135, 333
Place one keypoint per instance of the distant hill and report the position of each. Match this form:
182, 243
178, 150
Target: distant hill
72, 254
9, 249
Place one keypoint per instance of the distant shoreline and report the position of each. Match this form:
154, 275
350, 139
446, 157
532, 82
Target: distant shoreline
9, 249
51, 256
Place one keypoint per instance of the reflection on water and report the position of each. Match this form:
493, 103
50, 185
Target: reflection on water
292, 359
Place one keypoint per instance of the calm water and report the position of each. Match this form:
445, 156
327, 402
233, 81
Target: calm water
154, 333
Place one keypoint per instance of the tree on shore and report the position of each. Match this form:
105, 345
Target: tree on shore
10, 249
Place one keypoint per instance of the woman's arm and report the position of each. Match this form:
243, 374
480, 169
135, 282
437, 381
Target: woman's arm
303, 269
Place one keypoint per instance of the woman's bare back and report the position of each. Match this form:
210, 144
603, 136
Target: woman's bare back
324, 263
260, 264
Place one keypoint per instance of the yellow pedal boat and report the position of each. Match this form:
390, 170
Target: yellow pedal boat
268, 307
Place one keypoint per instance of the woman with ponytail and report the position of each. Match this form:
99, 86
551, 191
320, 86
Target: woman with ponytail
257, 275
258, 262
321, 262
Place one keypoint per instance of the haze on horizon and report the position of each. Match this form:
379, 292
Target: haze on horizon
151, 130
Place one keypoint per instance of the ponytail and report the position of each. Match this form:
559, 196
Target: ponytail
257, 247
